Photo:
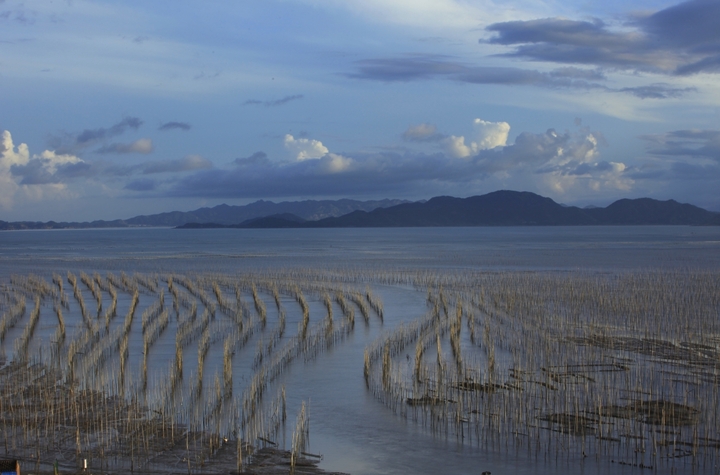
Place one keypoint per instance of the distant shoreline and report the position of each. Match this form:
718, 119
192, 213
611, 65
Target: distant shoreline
230, 226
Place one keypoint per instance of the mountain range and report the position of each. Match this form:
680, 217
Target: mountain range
310, 210
500, 208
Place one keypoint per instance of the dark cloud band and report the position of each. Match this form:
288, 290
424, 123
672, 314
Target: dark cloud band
682, 39
175, 126
91, 135
425, 67
274, 103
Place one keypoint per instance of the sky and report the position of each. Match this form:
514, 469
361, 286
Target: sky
112, 109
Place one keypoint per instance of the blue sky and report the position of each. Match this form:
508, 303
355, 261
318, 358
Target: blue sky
112, 109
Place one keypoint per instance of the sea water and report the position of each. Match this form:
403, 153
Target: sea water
481, 248
352, 430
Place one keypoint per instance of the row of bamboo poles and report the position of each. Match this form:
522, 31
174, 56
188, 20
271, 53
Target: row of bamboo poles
104, 392
621, 367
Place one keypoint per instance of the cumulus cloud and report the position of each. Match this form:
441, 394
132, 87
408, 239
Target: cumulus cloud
307, 150
487, 135
682, 39
544, 153
566, 164
597, 176
9, 157
304, 149
491, 134
333, 163
143, 146
175, 126
426, 67
44, 168
50, 174
456, 147
35, 175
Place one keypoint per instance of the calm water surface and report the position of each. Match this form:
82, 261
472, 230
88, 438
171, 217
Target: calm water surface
353, 431
232, 250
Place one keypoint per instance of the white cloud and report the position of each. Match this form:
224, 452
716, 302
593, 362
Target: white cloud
576, 169
304, 149
456, 147
51, 161
488, 135
600, 177
333, 163
308, 149
9, 155
612, 177
37, 172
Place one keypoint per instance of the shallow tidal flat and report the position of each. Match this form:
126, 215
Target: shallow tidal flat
196, 372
